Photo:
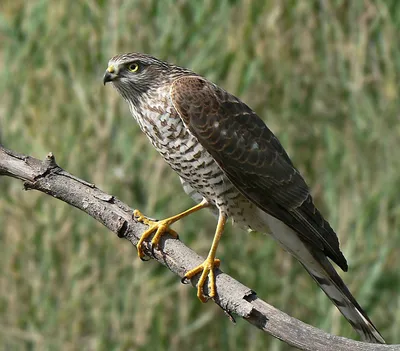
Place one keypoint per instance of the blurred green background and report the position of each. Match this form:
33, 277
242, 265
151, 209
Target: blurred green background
323, 74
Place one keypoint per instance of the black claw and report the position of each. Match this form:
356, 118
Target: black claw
153, 247
229, 315
208, 296
185, 280
145, 259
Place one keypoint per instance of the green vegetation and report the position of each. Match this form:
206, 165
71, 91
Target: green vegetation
323, 74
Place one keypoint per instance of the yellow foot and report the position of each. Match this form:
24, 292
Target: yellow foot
207, 269
159, 227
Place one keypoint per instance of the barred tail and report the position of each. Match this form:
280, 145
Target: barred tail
322, 271
334, 287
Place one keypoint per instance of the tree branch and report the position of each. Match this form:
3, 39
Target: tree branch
233, 297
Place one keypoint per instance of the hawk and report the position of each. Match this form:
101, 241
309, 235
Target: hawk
228, 160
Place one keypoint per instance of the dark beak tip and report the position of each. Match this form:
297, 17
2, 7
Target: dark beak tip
107, 78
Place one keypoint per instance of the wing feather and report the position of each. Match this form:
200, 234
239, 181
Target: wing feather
253, 159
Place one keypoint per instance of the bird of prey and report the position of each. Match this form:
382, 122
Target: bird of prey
230, 161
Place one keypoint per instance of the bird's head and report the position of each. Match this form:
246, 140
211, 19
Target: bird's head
134, 74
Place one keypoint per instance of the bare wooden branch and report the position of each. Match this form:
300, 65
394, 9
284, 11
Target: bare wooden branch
46, 176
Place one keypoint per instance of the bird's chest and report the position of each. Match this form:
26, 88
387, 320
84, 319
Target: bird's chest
177, 145
181, 150
195, 166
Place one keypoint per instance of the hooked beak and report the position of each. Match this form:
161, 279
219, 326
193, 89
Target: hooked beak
110, 75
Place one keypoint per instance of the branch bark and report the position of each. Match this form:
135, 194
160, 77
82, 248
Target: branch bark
233, 297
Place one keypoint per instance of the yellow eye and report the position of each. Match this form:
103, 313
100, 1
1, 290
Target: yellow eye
133, 67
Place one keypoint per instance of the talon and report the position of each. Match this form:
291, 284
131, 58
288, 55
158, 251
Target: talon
152, 250
159, 227
161, 230
207, 271
185, 280
229, 315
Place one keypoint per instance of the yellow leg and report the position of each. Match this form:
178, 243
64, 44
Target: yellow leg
161, 227
208, 266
